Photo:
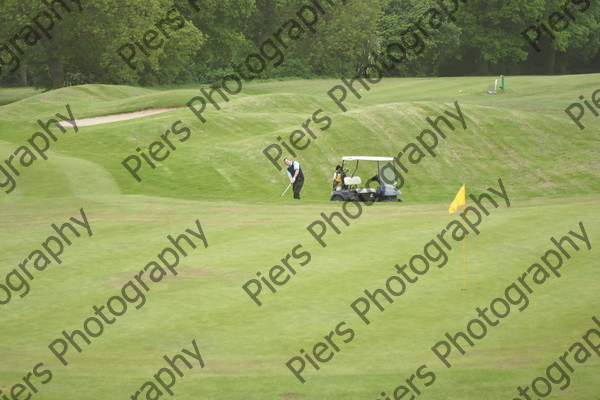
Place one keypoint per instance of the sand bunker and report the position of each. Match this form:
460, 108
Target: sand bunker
122, 117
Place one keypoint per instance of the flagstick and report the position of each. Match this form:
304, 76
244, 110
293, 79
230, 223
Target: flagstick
464, 262
465, 250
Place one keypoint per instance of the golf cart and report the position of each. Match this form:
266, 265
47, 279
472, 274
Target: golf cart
380, 187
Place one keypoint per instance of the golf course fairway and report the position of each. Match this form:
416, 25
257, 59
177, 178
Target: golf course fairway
219, 184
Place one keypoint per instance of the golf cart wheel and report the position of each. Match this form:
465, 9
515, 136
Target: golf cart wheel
336, 197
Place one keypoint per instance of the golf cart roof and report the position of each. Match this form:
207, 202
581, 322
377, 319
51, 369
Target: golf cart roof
367, 158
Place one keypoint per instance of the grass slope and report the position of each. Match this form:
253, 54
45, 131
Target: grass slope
539, 150
220, 177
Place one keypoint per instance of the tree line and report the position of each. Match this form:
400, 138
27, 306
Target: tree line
56, 43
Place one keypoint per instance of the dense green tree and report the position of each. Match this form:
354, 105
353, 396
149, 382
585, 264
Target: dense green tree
347, 36
84, 42
441, 40
574, 34
223, 24
335, 46
201, 40
491, 31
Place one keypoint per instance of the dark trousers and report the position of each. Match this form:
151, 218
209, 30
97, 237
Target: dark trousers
298, 187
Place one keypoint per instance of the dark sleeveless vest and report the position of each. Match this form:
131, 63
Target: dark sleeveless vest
291, 170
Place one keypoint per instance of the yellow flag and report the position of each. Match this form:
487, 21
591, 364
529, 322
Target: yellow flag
459, 200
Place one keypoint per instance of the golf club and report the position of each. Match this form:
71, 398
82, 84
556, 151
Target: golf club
286, 189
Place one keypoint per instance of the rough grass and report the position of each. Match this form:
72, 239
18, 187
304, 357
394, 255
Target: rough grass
12, 95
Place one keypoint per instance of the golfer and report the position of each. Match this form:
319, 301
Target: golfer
296, 176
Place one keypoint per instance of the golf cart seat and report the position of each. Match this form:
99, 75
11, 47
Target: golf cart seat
355, 181
352, 180
366, 190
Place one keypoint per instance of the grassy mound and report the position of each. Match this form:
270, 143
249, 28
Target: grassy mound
521, 135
